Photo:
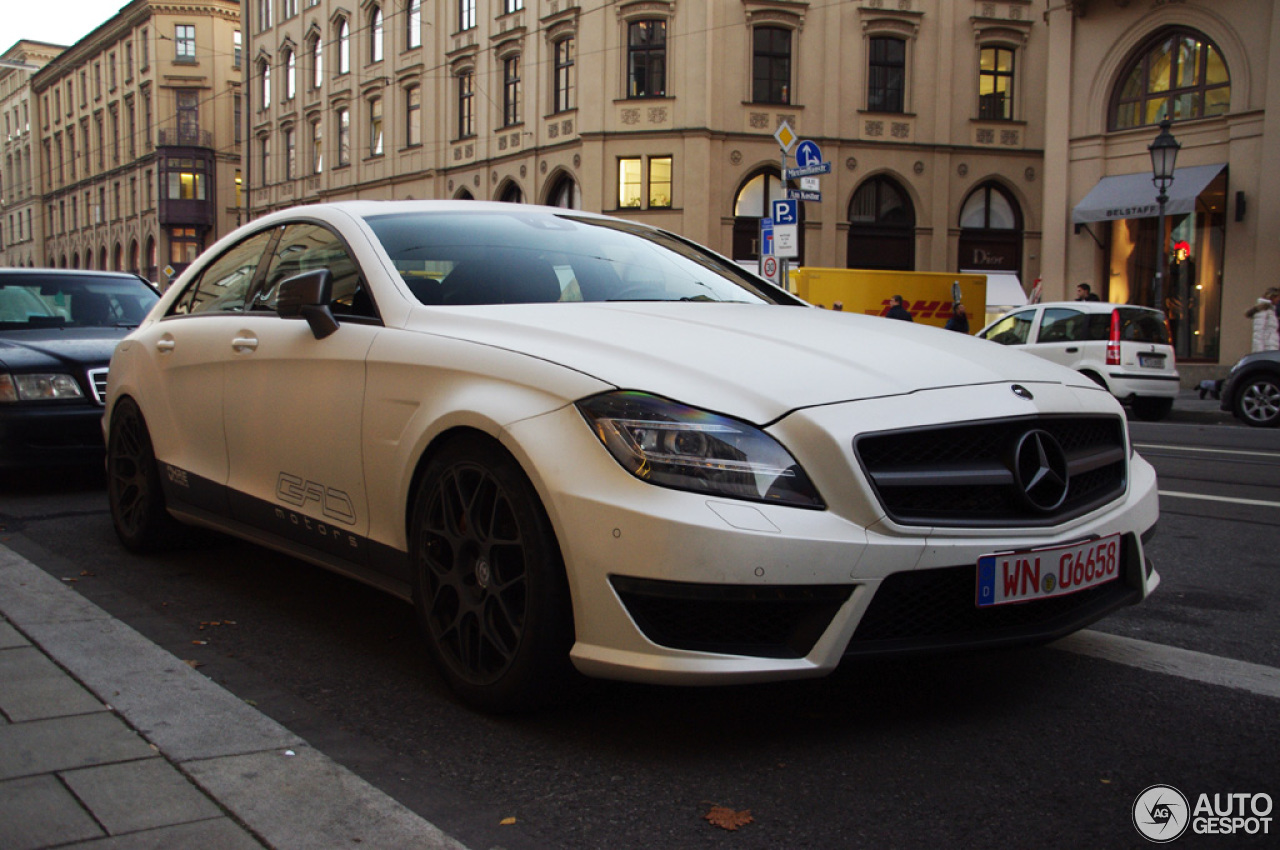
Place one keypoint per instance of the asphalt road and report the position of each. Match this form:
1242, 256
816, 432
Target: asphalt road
1032, 748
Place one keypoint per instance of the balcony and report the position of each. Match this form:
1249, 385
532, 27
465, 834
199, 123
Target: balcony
176, 137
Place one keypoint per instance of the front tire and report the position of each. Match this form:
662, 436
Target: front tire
1257, 402
489, 583
134, 490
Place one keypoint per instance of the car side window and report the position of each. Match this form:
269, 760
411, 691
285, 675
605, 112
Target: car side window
224, 284
1062, 325
1012, 329
305, 247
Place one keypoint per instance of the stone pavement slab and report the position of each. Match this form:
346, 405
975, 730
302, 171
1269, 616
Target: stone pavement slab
139, 795
33, 687
61, 743
38, 811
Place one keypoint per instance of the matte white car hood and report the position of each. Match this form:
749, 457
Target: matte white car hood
751, 361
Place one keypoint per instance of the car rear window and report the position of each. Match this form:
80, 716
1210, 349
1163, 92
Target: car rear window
1142, 325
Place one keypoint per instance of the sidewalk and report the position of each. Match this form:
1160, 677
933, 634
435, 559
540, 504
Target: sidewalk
109, 742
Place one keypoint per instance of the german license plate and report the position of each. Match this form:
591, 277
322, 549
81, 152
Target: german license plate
1041, 573
1151, 361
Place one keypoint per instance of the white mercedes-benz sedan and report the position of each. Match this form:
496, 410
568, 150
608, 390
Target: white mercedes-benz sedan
577, 442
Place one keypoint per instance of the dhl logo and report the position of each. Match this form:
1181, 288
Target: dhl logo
919, 309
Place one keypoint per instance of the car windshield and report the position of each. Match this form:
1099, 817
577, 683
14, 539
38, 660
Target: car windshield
529, 256
72, 301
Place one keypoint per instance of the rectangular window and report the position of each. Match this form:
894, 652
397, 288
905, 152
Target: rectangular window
266, 160
290, 154
659, 181
185, 182
128, 61
144, 52
511, 91
130, 129
184, 43
344, 47
239, 189
886, 79
188, 108
317, 147
237, 48
317, 63
111, 71
413, 25
647, 59
84, 88
237, 120
102, 142
629, 184
564, 75
509, 6
413, 116
133, 195
466, 14
466, 105
290, 8
264, 14
771, 65
97, 80
995, 83
146, 117
375, 127
115, 137
150, 190
344, 136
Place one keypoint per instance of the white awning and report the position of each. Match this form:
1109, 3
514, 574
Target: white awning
1004, 290
1134, 195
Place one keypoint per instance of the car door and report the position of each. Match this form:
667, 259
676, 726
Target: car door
1013, 329
1062, 336
181, 385
293, 403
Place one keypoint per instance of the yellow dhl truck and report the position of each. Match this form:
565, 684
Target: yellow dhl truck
927, 295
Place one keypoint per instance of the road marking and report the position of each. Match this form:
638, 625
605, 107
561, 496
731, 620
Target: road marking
1205, 450
1172, 661
1229, 499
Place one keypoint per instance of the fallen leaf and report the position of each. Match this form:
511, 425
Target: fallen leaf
507, 822
726, 818
69, 580
87, 573
193, 663
200, 642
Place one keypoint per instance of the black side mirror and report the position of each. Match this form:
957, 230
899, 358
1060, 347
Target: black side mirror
307, 296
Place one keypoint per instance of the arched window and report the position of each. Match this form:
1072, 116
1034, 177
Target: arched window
150, 271
464, 195
990, 230
119, 258
133, 257
751, 204
882, 227
375, 35
565, 193
264, 72
75, 260
317, 62
290, 75
1178, 74
344, 46
511, 194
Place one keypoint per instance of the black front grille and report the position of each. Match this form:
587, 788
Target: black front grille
963, 475
764, 621
936, 609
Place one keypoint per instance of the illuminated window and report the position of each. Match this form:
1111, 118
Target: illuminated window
1179, 75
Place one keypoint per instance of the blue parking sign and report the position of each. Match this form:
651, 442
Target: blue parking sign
786, 212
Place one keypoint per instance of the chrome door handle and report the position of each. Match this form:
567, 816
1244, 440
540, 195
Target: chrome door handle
1072, 350
164, 346
244, 343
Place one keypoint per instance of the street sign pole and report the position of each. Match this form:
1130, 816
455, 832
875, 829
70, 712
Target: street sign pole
784, 276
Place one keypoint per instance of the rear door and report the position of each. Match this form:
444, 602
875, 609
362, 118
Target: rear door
181, 381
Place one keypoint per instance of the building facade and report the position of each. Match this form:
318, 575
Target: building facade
21, 211
664, 111
137, 125
1213, 69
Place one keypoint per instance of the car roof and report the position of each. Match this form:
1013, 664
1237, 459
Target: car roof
1088, 306
44, 272
364, 209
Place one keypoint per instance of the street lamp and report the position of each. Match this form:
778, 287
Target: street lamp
1164, 155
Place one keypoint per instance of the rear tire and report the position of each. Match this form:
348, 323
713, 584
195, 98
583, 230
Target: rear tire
489, 584
1152, 409
134, 490
1257, 402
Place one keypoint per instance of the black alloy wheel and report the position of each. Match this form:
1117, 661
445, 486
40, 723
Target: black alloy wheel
1258, 401
489, 583
133, 483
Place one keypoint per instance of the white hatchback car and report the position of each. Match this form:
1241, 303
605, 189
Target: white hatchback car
1122, 347
573, 441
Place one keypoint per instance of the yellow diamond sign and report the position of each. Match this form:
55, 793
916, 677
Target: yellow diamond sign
786, 136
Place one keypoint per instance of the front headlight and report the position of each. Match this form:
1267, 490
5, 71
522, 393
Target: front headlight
54, 385
669, 444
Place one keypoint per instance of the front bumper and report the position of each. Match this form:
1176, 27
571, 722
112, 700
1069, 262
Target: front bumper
50, 435
681, 588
